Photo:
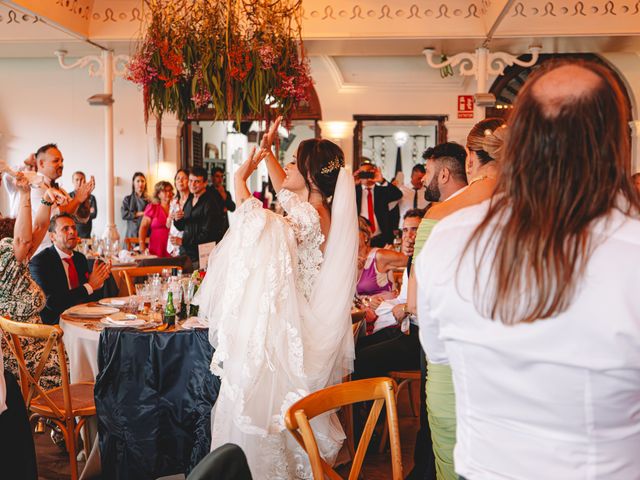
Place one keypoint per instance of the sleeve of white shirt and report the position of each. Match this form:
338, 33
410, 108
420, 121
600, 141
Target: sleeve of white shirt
88, 288
429, 327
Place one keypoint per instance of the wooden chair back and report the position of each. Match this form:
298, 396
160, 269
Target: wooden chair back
379, 390
130, 274
30, 380
46, 403
131, 242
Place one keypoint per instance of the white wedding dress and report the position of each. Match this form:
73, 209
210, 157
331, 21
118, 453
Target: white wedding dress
279, 317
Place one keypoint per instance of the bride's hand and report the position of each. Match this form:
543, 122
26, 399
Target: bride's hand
269, 137
251, 163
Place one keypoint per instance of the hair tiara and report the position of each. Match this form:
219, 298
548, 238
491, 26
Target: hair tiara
334, 164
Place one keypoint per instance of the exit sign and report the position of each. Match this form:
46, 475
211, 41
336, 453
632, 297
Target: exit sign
465, 106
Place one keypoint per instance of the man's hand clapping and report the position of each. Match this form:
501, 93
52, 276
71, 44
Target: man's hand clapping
101, 272
83, 192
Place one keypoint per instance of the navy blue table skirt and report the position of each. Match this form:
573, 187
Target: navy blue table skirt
153, 396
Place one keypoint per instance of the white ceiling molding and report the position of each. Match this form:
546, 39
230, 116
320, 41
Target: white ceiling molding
344, 87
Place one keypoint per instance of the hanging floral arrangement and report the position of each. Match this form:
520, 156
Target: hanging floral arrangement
240, 58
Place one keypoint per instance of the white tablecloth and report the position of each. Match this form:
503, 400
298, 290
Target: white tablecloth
81, 345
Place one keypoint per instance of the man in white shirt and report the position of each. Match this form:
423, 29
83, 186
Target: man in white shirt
413, 193
50, 164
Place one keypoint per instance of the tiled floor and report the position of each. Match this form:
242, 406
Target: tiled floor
53, 463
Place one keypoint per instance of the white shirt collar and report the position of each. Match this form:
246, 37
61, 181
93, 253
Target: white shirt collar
62, 254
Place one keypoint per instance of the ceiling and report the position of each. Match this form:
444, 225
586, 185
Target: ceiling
33, 28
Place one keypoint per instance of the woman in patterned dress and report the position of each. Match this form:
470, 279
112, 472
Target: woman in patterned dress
21, 299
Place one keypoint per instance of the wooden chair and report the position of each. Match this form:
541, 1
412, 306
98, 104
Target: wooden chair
380, 390
131, 242
131, 274
62, 405
404, 378
347, 411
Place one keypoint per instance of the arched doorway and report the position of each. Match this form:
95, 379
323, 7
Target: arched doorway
506, 87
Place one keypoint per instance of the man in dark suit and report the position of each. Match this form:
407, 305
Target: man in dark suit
202, 221
222, 196
373, 196
63, 274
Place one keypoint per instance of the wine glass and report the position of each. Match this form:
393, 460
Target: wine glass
188, 292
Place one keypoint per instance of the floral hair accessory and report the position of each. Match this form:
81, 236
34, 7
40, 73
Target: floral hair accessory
334, 164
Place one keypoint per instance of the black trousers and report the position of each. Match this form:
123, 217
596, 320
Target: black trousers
386, 350
17, 451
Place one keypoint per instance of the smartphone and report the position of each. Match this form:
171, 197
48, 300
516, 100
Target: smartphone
366, 175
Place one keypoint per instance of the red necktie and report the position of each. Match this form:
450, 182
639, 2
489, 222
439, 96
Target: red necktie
372, 215
73, 273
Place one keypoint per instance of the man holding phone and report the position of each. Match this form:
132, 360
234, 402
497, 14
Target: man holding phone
373, 196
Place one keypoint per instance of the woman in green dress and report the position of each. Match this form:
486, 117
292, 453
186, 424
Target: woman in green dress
484, 145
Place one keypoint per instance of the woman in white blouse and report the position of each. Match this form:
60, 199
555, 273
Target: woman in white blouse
532, 296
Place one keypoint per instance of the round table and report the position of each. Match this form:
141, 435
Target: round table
132, 392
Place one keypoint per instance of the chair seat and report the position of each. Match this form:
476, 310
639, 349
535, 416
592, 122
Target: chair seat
405, 375
82, 402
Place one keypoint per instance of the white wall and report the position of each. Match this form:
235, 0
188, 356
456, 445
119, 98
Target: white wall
41, 103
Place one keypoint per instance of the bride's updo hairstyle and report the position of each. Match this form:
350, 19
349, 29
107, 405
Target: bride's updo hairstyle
319, 161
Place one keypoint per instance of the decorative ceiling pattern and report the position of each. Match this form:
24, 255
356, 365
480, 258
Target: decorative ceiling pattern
14, 17
79, 8
361, 11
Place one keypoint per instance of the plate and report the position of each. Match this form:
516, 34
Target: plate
114, 302
95, 312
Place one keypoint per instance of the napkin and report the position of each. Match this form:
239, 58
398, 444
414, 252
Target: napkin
194, 322
125, 256
123, 320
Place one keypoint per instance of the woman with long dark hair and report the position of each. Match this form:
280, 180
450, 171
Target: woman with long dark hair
278, 302
133, 205
531, 297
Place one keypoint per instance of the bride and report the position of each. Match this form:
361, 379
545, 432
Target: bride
277, 296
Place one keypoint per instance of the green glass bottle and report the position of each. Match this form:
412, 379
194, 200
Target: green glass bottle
169, 311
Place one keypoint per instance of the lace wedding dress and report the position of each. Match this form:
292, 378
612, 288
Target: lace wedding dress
279, 316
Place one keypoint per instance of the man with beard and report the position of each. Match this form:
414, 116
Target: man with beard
445, 172
50, 164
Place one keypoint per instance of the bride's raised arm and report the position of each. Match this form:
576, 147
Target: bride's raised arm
276, 173
244, 172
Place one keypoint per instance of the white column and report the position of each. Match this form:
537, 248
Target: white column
482, 77
111, 231
163, 163
341, 133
